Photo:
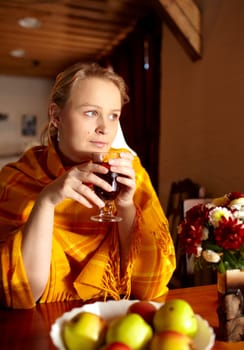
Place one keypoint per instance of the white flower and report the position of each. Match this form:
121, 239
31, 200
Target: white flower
239, 214
210, 256
199, 251
217, 213
237, 201
238, 206
205, 233
210, 205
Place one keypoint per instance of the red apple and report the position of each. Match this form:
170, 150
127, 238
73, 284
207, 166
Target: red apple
171, 340
144, 308
117, 346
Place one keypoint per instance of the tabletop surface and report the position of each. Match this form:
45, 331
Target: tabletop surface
29, 329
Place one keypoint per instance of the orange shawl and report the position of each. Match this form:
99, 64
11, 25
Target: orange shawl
85, 255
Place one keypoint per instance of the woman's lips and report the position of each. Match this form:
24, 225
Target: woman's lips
99, 144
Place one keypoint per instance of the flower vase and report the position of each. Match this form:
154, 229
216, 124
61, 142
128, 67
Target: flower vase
230, 286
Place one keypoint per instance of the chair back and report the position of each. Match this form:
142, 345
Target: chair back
180, 192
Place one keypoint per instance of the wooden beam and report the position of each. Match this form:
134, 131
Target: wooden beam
185, 21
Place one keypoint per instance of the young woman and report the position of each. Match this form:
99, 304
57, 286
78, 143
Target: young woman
50, 249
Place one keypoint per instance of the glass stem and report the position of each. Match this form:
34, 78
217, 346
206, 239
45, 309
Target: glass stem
108, 209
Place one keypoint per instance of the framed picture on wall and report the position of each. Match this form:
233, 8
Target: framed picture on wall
29, 124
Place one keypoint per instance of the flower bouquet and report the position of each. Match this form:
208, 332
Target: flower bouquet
214, 232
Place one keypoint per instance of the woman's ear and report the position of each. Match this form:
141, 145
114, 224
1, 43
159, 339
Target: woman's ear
54, 113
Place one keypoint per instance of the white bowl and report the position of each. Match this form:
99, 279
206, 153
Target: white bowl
204, 338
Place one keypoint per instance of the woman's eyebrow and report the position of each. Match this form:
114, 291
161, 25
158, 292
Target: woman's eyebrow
99, 107
90, 105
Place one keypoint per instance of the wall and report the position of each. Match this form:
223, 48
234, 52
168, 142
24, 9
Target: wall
201, 112
202, 105
21, 96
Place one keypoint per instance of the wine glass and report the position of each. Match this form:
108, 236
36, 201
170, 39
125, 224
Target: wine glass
106, 213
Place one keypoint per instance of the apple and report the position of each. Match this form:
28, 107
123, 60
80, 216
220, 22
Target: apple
117, 346
86, 330
130, 329
144, 308
176, 315
171, 340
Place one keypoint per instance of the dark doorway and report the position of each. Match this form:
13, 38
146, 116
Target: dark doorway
138, 59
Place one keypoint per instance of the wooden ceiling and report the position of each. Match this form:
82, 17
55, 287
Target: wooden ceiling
78, 30
69, 31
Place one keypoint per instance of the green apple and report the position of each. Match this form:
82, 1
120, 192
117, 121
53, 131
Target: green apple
130, 329
84, 331
144, 308
176, 315
171, 340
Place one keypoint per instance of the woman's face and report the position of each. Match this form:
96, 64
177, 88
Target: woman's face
89, 120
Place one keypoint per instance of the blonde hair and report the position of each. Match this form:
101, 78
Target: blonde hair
65, 80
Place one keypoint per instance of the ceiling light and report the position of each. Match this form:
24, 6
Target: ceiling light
29, 22
18, 53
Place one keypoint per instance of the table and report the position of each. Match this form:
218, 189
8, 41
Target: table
29, 329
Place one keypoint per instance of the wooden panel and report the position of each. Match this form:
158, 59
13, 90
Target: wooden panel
74, 30
70, 30
184, 18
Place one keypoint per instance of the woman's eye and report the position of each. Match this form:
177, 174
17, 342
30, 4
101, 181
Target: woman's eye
113, 116
91, 113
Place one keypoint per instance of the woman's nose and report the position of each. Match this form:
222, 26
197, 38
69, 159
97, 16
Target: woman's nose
101, 126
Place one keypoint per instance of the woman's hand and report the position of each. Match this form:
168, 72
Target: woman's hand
123, 166
77, 184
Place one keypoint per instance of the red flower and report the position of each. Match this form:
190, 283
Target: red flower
229, 234
234, 195
191, 236
198, 215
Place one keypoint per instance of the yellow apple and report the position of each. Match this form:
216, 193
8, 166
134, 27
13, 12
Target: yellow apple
84, 331
176, 315
171, 340
130, 329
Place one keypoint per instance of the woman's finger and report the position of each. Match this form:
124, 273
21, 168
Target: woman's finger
86, 196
